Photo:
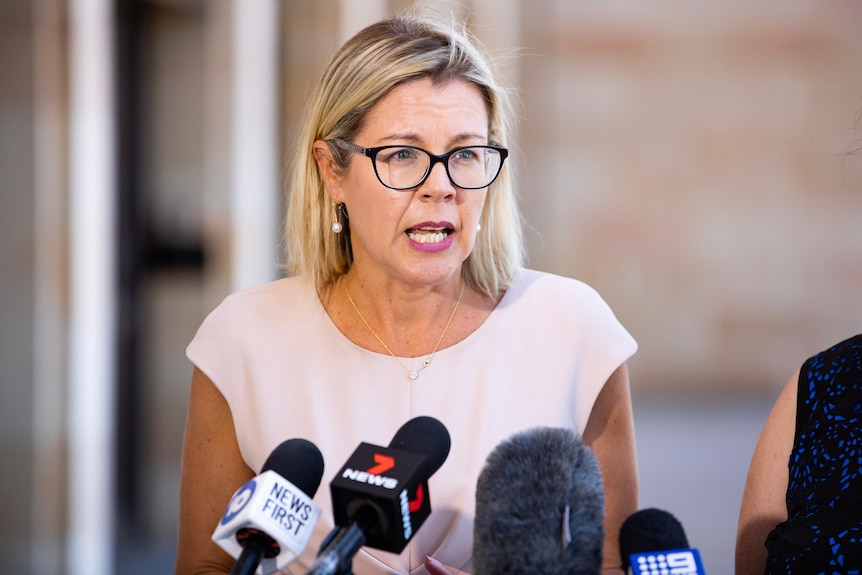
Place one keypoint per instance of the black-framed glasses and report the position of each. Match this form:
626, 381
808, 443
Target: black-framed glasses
407, 167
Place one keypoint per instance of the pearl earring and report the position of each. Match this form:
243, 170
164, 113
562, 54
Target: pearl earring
336, 225
478, 227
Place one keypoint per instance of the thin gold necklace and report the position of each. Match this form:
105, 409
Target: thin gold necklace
413, 375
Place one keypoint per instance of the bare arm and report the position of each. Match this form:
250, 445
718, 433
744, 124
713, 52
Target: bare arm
610, 434
212, 469
763, 501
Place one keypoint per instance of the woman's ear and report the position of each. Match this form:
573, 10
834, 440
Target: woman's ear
328, 171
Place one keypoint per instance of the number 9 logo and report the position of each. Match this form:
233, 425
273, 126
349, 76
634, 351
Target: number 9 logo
681, 562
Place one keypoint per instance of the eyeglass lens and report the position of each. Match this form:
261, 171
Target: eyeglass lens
405, 168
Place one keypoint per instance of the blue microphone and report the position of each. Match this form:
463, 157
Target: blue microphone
653, 542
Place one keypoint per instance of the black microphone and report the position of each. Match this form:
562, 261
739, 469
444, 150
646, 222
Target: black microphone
380, 497
654, 541
269, 520
539, 507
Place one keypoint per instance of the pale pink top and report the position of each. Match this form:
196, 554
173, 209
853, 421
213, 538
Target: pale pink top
286, 371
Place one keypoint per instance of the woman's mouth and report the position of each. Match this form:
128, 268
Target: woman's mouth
429, 235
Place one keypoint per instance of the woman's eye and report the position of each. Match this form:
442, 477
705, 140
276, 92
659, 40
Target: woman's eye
467, 155
401, 154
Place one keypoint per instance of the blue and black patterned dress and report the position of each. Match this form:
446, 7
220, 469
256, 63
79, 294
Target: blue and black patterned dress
823, 532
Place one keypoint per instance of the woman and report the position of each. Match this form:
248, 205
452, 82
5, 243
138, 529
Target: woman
408, 297
801, 506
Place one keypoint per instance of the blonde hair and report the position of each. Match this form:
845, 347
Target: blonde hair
378, 58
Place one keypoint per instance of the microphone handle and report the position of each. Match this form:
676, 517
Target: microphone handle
336, 558
249, 559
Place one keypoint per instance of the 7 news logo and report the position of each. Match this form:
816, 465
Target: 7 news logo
374, 476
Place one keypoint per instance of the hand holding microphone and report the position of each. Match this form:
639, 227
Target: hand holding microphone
269, 520
380, 497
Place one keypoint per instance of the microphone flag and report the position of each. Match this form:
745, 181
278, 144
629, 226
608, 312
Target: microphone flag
380, 496
392, 483
273, 505
669, 562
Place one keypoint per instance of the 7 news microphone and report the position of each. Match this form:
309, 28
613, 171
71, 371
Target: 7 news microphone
269, 520
539, 507
380, 497
653, 541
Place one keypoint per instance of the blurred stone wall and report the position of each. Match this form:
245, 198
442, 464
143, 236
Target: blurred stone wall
690, 162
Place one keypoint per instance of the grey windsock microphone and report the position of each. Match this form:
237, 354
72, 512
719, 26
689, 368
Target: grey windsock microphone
539, 507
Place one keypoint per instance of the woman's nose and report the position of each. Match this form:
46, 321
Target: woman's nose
438, 182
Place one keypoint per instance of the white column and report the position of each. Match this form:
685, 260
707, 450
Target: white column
256, 167
93, 299
50, 488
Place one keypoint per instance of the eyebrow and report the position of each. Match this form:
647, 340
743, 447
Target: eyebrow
414, 139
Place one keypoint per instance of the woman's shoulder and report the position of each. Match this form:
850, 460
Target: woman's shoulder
525, 277
280, 302
572, 304
553, 289
833, 371
282, 309
290, 291
844, 355
852, 345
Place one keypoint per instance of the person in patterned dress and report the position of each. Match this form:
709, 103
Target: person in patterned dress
801, 510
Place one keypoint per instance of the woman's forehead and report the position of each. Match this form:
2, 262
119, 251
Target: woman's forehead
422, 109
